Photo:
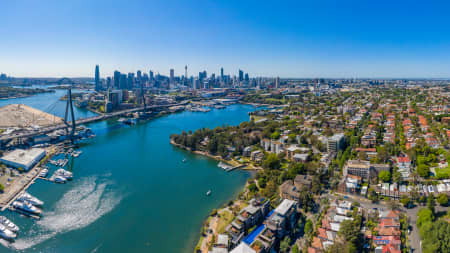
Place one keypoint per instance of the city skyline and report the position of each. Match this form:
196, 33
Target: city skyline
295, 40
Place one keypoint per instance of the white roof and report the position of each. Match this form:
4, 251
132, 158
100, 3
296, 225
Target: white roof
341, 218
243, 248
284, 207
335, 226
222, 239
23, 157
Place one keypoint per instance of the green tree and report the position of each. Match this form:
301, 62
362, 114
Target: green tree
252, 187
423, 216
385, 176
423, 170
308, 227
442, 199
431, 203
405, 200
284, 245
271, 162
295, 249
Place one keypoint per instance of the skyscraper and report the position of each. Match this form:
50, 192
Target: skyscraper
97, 78
151, 75
221, 73
277, 82
172, 76
116, 79
246, 77
123, 82
241, 75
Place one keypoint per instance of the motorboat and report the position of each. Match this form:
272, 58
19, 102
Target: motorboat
43, 173
59, 179
7, 234
64, 173
26, 207
9, 224
30, 199
208, 193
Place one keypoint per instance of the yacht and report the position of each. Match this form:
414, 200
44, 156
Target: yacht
6, 233
208, 193
64, 173
43, 173
30, 199
26, 207
8, 224
59, 179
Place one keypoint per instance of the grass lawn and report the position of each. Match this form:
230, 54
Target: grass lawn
443, 173
226, 217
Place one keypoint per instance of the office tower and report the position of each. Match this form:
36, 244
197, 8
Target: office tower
116, 79
151, 75
246, 77
139, 76
123, 82
108, 82
221, 73
97, 78
171, 78
241, 75
277, 82
130, 81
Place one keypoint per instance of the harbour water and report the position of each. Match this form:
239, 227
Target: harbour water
131, 191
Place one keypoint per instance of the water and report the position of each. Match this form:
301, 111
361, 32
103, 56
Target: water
131, 191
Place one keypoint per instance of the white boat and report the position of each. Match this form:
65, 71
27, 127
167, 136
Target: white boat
30, 199
26, 207
59, 179
9, 224
208, 193
64, 173
6, 233
184, 160
43, 173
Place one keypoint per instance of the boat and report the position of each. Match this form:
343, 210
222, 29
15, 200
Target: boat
9, 224
7, 234
208, 193
184, 160
64, 173
43, 173
59, 179
30, 199
26, 207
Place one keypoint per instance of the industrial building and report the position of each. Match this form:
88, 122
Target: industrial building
24, 159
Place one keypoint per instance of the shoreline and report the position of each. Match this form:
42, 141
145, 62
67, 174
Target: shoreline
205, 239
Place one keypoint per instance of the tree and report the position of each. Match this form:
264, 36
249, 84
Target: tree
308, 227
431, 203
284, 245
442, 199
396, 175
272, 162
423, 216
252, 187
2, 187
405, 200
423, 170
295, 249
385, 176
275, 135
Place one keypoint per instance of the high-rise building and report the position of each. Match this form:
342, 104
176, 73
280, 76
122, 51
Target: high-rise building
139, 76
116, 79
151, 75
277, 82
97, 78
108, 82
241, 75
221, 73
246, 77
172, 76
123, 82
130, 81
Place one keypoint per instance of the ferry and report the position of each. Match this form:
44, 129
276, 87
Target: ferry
7, 234
208, 193
30, 199
26, 207
9, 224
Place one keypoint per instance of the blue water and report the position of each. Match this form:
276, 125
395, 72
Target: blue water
131, 191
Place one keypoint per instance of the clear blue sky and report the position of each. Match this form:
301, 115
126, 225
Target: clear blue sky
316, 38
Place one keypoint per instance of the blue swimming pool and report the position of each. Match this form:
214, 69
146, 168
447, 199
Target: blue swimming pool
251, 237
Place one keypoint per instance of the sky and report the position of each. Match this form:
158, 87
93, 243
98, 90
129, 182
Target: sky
304, 39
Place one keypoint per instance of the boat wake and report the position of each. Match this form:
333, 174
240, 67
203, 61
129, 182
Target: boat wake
78, 208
